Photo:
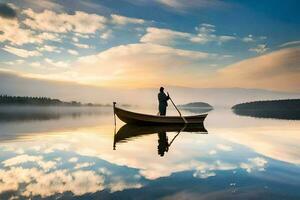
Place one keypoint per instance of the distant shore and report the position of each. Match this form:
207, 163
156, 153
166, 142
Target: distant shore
6, 100
277, 109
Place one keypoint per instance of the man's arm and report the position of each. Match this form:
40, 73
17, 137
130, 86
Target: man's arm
168, 97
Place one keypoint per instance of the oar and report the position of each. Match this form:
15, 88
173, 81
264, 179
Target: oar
177, 135
115, 128
177, 109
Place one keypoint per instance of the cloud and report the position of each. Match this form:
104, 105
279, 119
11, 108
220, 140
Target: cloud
73, 159
82, 35
163, 36
75, 39
11, 31
206, 170
292, 43
24, 158
15, 62
21, 52
278, 70
130, 63
223, 147
49, 48
83, 46
248, 38
261, 48
192, 4
60, 64
83, 165
122, 20
256, 163
80, 22
35, 64
43, 5
73, 52
106, 35
205, 34
7, 12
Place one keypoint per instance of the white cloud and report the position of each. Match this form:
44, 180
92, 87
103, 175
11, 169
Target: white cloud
11, 31
35, 182
60, 64
205, 170
83, 46
21, 52
122, 20
80, 22
223, 147
82, 35
106, 35
212, 152
73, 52
248, 38
191, 4
78, 182
163, 36
261, 48
20, 159
203, 174
49, 36
73, 159
16, 62
49, 48
83, 165
35, 64
292, 43
256, 163
120, 185
75, 39
205, 34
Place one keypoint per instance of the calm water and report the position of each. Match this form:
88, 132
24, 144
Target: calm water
72, 157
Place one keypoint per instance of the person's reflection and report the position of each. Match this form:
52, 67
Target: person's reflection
163, 145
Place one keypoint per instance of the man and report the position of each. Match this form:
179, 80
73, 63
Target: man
163, 101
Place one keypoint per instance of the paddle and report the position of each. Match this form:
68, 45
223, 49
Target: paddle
177, 109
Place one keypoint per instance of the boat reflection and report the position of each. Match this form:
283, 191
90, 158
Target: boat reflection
128, 131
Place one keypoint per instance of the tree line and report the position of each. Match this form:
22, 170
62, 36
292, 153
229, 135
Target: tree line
41, 101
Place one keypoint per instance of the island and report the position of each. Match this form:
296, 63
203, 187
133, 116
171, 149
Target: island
196, 107
277, 109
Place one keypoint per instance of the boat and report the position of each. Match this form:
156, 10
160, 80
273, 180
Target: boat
139, 118
130, 131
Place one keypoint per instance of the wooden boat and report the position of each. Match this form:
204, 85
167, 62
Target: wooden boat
139, 118
131, 131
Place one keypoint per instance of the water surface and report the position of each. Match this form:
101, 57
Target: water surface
76, 156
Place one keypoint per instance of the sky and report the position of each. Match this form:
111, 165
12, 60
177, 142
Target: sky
149, 43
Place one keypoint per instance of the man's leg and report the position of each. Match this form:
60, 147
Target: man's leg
162, 111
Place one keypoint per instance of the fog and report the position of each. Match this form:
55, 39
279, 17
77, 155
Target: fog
12, 84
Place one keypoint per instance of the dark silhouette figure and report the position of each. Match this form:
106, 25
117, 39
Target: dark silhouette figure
163, 102
163, 145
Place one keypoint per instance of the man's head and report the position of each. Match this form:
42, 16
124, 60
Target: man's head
161, 89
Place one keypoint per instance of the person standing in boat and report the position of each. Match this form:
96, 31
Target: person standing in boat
163, 101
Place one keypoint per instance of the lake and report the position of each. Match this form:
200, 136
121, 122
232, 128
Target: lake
77, 156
